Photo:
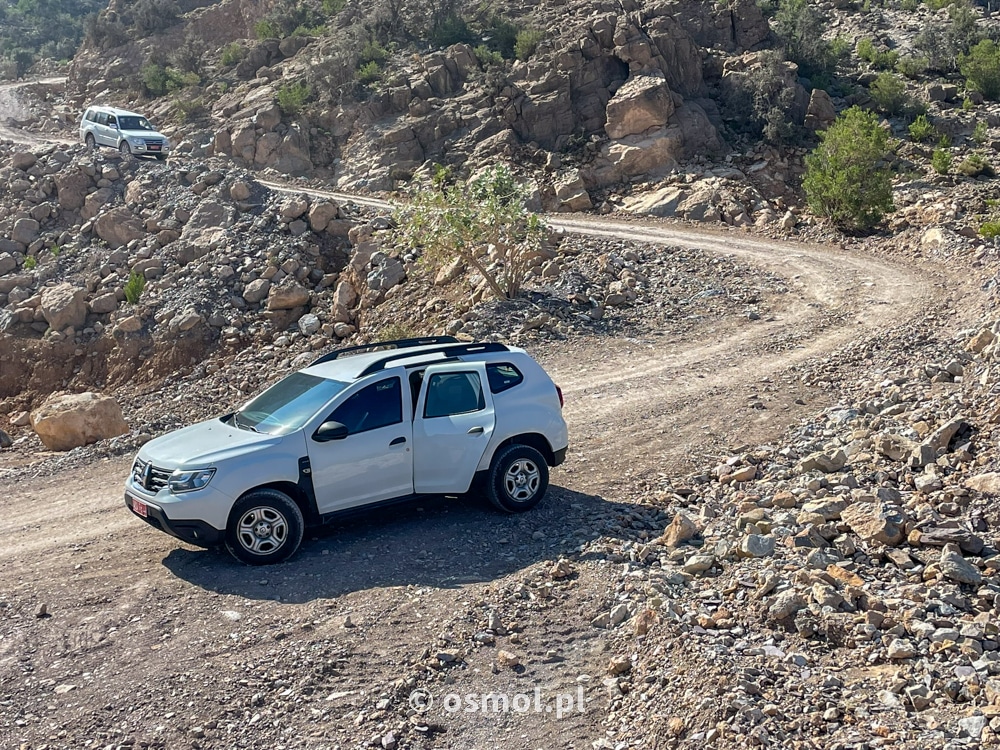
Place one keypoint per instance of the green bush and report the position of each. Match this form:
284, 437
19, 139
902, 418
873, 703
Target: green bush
880, 59
981, 68
909, 5
989, 230
974, 166
487, 56
500, 35
333, 7
847, 178
232, 54
452, 29
911, 66
369, 73
293, 96
527, 42
921, 129
267, 29
979, 133
159, 81
134, 286
941, 161
801, 27
30, 262
889, 94
373, 51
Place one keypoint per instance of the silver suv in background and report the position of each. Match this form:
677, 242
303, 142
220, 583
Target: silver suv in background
126, 131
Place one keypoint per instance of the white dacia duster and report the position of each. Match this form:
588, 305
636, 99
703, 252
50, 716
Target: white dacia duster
360, 426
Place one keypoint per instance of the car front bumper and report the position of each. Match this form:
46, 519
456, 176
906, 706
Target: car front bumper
193, 532
197, 517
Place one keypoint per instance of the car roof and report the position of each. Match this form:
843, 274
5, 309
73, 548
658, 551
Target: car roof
349, 368
115, 111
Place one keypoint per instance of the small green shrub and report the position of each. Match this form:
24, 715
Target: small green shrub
158, 81
909, 5
232, 54
369, 73
267, 29
990, 229
134, 286
527, 42
452, 29
880, 59
187, 109
921, 129
889, 94
981, 68
55, 250
911, 66
293, 96
30, 263
968, 105
487, 56
974, 166
847, 177
937, 4
979, 133
373, 51
333, 7
941, 161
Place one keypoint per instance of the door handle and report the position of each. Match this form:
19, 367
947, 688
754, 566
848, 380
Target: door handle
475, 431
398, 441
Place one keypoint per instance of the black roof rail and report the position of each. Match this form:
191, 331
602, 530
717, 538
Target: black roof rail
451, 350
397, 344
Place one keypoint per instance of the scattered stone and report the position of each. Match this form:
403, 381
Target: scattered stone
957, 568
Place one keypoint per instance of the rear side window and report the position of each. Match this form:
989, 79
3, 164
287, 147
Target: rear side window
102, 118
503, 376
450, 393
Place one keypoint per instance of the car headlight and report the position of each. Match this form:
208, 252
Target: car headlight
135, 141
189, 481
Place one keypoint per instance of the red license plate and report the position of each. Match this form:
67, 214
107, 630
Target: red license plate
154, 148
140, 508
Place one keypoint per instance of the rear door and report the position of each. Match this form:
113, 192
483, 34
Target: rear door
453, 424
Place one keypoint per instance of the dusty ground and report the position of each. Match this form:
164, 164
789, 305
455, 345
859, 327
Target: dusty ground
150, 643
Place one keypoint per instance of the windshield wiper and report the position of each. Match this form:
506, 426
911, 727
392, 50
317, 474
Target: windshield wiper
241, 425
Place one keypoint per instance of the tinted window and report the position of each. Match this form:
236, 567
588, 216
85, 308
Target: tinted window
288, 404
377, 405
102, 118
503, 376
91, 115
453, 393
134, 123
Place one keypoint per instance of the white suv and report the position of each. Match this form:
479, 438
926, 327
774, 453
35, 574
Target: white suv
126, 131
360, 426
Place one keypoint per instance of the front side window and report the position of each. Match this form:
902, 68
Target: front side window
450, 393
377, 405
134, 123
288, 404
102, 118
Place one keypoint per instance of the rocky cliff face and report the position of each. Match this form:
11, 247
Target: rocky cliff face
621, 91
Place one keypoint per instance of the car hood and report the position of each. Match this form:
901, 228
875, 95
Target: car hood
204, 445
143, 134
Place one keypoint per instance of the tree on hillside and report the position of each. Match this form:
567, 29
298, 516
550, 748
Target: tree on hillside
481, 223
847, 176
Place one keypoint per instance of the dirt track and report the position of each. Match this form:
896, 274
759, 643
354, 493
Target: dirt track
167, 646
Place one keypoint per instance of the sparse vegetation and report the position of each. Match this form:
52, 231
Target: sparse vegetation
30, 263
232, 54
879, 59
527, 42
134, 286
941, 161
979, 133
981, 68
847, 177
482, 222
888, 91
369, 73
158, 80
990, 229
921, 129
293, 96
912, 66
800, 27
974, 166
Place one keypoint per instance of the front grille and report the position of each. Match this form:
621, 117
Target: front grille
149, 477
153, 143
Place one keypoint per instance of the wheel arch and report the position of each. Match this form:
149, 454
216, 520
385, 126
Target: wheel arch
534, 439
299, 496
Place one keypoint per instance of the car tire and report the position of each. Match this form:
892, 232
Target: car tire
161, 157
265, 527
124, 148
90, 141
518, 478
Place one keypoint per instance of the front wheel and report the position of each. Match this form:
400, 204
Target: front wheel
91, 143
161, 157
518, 478
125, 149
265, 527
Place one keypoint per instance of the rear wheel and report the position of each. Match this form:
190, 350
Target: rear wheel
518, 478
125, 148
265, 527
91, 143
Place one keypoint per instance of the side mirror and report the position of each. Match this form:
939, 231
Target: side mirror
330, 431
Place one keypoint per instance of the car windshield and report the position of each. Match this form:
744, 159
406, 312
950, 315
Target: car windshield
288, 404
126, 122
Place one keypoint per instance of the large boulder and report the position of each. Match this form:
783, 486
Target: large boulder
118, 227
876, 523
71, 189
287, 296
69, 420
64, 305
25, 231
820, 113
643, 102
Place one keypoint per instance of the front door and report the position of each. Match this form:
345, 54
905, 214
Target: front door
375, 461
453, 424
